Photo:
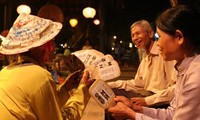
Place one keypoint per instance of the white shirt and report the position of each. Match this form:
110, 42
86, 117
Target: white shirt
186, 103
154, 75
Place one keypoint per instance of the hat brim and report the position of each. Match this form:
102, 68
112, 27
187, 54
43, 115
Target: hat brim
47, 35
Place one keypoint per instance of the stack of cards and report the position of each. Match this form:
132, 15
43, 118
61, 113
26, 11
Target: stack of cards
101, 67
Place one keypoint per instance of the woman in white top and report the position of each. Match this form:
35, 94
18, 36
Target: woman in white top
178, 30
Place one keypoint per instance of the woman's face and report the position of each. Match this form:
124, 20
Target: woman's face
170, 46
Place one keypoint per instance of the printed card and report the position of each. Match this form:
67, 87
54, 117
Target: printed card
102, 94
105, 68
88, 56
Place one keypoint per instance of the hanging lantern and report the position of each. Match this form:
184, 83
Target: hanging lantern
23, 9
96, 21
89, 12
73, 22
52, 12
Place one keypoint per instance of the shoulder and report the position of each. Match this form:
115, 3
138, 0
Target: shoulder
30, 72
195, 65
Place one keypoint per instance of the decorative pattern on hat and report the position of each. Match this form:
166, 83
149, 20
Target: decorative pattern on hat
29, 31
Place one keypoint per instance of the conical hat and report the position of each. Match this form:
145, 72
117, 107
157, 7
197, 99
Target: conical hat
29, 31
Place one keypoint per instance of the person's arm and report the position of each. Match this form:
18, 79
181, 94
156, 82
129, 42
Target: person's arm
75, 105
163, 96
122, 109
122, 84
127, 85
125, 109
188, 94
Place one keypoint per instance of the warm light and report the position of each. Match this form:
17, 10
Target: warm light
89, 12
114, 37
73, 22
96, 21
156, 35
113, 48
23, 9
130, 45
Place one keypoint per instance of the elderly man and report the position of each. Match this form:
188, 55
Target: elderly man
155, 78
27, 89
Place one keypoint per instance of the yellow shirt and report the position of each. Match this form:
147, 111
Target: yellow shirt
28, 92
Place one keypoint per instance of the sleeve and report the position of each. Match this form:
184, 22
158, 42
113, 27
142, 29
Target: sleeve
155, 114
127, 85
163, 96
74, 107
167, 94
188, 100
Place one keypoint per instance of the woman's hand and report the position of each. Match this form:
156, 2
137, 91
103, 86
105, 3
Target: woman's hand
139, 101
124, 100
122, 109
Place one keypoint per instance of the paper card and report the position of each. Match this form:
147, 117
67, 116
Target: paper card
88, 56
73, 63
105, 68
102, 94
81, 54
106, 58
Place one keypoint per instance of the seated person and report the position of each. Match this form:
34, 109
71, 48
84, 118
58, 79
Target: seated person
27, 89
178, 30
155, 78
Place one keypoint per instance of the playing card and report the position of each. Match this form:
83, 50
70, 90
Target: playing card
88, 56
105, 68
102, 94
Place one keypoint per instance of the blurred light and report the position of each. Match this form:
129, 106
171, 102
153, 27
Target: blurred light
156, 35
120, 41
65, 45
130, 45
89, 12
113, 48
62, 45
23, 9
73, 22
96, 21
114, 37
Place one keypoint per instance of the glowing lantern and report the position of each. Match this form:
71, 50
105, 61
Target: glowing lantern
23, 9
73, 22
89, 12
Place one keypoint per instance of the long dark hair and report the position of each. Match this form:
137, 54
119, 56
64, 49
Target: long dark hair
183, 18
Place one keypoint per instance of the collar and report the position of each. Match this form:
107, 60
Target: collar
22, 59
155, 49
185, 63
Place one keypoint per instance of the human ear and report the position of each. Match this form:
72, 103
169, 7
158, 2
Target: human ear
179, 36
151, 33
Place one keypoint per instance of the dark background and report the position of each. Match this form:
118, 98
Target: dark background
116, 16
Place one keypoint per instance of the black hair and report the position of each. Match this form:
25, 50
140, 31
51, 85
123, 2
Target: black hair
183, 18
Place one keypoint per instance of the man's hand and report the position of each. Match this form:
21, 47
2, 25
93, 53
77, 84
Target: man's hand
85, 78
139, 101
122, 109
124, 100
